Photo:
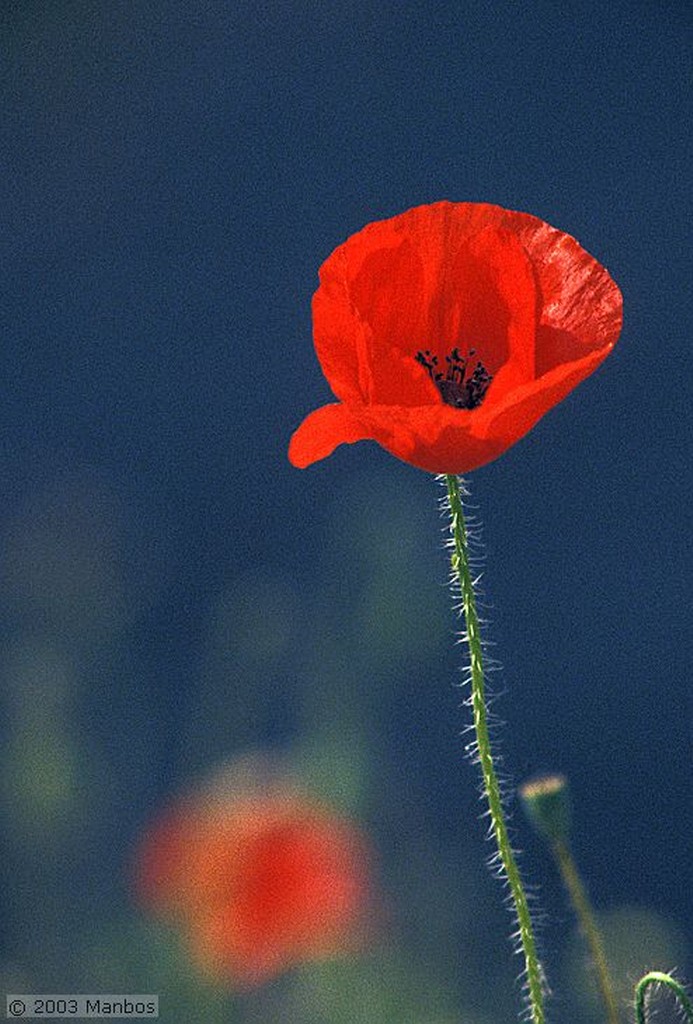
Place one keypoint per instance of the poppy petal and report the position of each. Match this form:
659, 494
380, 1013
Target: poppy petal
340, 337
360, 367
438, 439
581, 304
322, 431
510, 420
513, 326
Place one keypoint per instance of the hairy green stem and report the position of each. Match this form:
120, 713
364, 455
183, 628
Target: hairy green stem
659, 978
585, 916
461, 567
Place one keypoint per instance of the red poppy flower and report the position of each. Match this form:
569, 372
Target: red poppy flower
260, 880
448, 331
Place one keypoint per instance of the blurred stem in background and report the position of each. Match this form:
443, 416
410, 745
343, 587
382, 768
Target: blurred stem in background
547, 803
659, 978
462, 572
583, 910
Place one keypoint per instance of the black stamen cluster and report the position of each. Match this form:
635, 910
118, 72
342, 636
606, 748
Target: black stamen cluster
453, 388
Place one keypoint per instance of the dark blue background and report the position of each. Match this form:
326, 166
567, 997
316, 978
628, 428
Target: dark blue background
173, 175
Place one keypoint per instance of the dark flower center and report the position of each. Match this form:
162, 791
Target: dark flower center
454, 389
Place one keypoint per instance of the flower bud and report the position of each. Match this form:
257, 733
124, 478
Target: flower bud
547, 804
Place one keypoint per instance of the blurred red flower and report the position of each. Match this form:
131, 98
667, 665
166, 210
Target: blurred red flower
448, 331
261, 880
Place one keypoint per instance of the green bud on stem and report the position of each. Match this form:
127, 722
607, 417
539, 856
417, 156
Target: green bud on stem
547, 803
